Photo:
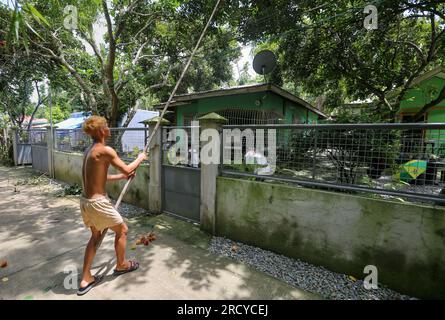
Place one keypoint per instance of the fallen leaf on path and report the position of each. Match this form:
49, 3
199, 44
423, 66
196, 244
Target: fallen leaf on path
3, 263
354, 279
145, 240
5, 279
151, 236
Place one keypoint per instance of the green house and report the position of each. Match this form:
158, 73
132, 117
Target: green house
424, 89
250, 104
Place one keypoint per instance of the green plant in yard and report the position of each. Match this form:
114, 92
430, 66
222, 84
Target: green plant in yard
70, 190
367, 181
135, 152
32, 181
6, 154
239, 168
396, 183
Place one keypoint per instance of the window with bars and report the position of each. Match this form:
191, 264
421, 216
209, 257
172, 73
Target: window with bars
242, 116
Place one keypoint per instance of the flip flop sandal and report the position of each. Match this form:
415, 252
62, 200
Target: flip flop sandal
134, 266
90, 286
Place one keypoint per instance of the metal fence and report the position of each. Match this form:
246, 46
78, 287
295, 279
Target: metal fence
71, 140
396, 160
31, 136
25, 139
38, 137
128, 142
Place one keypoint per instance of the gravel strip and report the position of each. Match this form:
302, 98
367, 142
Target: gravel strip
129, 211
318, 280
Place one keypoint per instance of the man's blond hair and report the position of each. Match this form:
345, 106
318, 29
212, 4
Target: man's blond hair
93, 124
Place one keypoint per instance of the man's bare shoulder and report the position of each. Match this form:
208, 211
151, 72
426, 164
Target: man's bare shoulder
109, 151
100, 151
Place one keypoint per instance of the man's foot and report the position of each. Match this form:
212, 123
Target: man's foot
87, 286
86, 281
130, 265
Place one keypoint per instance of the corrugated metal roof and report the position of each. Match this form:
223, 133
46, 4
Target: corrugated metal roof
75, 121
184, 98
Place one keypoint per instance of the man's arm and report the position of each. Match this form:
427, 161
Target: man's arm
120, 176
116, 162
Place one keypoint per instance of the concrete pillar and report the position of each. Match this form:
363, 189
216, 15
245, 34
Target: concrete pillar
50, 145
14, 143
209, 173
155, 158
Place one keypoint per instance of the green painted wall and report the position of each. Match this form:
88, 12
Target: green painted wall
269, 101
416, 98
342, 232
438, 136
422, 94
68, 168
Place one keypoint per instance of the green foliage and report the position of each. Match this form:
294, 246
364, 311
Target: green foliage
135, 152
6, 154
150, 46
324, 48
74, 189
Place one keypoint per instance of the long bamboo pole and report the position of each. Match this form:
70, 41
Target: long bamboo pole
124, 190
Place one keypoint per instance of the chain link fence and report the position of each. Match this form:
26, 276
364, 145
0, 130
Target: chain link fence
128, 142
406, 160
38, 137
32, 136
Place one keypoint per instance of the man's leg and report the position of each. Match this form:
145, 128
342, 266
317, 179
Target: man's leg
120, 243
90, 252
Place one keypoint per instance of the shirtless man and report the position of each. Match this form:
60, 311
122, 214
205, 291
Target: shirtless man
97, 211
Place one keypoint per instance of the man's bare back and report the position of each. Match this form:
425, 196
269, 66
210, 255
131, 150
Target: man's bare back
95, 171
97, 160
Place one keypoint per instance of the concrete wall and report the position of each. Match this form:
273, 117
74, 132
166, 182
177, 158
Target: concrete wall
68, 168
342, 232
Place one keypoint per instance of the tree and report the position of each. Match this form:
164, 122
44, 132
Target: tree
244, 76
325, 47
145, 46
17, 84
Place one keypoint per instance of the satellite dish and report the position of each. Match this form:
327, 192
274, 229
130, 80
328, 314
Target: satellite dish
264, 62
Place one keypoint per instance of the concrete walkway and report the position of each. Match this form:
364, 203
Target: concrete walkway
42, 235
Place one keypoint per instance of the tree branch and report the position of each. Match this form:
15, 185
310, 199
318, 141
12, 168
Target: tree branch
93, 45
60, 59
40, 101
412, 45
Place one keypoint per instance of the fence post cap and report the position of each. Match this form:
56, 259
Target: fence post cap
155, 120
213, 117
